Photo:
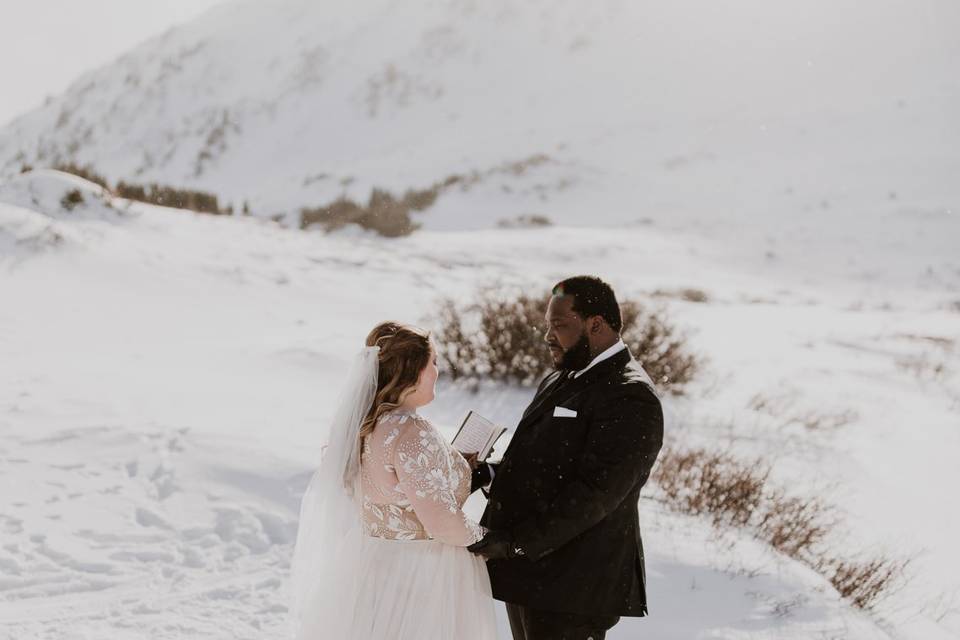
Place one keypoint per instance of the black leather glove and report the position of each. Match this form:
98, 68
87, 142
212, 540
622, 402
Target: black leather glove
497, 545
480, 477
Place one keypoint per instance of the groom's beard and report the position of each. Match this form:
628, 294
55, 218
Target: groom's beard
578, 356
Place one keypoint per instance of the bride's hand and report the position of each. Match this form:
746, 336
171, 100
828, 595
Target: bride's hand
471, 459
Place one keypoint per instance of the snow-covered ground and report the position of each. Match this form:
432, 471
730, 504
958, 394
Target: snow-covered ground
165, 380
170, 533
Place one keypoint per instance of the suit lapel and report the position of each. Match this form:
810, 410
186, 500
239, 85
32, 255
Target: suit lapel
544, 393
540, 402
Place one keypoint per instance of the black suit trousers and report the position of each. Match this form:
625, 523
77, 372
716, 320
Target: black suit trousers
532, 624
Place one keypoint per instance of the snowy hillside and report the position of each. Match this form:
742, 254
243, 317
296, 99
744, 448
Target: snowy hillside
167, 377
731, 113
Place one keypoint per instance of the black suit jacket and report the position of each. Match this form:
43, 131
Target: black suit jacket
567, 491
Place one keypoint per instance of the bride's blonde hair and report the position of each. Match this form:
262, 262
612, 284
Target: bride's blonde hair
404, 352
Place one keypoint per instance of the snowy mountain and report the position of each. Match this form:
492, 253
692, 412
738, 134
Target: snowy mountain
727, 113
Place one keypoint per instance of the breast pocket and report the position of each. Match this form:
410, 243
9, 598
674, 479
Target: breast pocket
564, 412
565, 437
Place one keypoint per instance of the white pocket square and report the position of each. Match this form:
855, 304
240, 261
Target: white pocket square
563, 412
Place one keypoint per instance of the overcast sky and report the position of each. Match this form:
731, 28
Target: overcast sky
46, 44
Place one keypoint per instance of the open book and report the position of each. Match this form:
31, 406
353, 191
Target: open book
477, 435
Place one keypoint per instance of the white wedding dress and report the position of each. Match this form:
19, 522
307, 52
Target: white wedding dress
403, 572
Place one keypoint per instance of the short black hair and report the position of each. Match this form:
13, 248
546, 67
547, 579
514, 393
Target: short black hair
591, 297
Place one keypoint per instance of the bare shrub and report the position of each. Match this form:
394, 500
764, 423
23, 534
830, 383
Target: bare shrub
657, 345
500, 336
735, 493
947, 344
820, 421
520, 167
389, 215
782, 408
699, 482
784, 608
772, 405
517, 168
863, 582
338, 213
86, 172
384, 213
688, 294
199, 201
923, 366
163, 195
495, 337
792, 525
458, 349
525, 221
71, 199
421, 199
132, 191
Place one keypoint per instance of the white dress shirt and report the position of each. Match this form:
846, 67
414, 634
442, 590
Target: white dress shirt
613, 350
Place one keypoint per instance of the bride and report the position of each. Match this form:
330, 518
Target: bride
381, 550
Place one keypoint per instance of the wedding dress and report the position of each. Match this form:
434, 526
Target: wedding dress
381, 551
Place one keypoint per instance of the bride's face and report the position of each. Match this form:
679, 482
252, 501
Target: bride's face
425, 390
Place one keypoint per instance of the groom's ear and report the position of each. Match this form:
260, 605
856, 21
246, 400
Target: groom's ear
595, 324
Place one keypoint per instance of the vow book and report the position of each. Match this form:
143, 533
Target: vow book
477, 435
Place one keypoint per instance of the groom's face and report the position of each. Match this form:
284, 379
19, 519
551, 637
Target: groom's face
566, 335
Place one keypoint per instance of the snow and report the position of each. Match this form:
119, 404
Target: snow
168, 375
165, 377
171, 534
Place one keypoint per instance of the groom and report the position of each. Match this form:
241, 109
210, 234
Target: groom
564, 548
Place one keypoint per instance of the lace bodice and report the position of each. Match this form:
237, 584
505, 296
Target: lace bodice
415, 483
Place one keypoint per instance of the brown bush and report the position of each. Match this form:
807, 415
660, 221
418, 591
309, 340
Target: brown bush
520, 167
499, 336
688, 294
505, 344
421, 199
199, 201
71, 199
735, 493
383, 213
132, 192
525, 221
389, 215
864, 582
699, 482
923, 366
86, 172
656, 344
792, 525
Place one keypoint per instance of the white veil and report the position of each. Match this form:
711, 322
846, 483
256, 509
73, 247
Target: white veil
330, 536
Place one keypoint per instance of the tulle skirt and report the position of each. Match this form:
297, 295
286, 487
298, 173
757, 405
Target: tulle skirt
407, 590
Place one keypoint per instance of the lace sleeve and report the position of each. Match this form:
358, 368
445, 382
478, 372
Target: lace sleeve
423, 469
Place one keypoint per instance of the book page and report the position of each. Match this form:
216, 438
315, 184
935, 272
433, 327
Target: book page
476, 435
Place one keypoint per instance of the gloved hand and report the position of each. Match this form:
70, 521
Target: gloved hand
497, 545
